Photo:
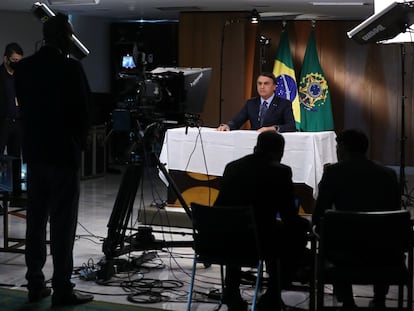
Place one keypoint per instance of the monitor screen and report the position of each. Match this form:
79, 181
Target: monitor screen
128, 62
195, 84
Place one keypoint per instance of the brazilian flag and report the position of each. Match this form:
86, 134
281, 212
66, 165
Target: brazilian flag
315, 99
285, 76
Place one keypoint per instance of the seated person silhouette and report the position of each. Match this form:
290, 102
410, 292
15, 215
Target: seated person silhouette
356, 183
260, 180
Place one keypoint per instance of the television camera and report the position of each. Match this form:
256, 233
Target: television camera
169, 97
165, 96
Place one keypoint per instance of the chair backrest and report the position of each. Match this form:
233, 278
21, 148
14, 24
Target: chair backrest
224, 235
365, 237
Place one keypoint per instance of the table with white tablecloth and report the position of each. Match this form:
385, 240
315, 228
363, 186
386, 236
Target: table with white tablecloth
207, 151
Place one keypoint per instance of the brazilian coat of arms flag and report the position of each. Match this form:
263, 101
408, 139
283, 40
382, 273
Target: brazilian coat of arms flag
284, 72
315, 99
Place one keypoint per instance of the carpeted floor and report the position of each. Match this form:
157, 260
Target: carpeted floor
16, 300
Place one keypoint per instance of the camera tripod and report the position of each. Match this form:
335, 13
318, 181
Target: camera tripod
117, 242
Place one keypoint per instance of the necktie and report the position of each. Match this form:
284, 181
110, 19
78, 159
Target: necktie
262, 112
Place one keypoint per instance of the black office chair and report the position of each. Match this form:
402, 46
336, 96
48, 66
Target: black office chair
365, 248
225, 235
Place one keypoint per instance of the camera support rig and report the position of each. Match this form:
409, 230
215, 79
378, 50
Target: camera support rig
117, 243
168, 93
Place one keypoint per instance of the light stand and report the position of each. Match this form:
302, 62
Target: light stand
387, 26
264, 43
254, 19
226, 23
221, 70
402, 135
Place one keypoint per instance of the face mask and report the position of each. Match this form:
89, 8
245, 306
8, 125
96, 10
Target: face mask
12, 65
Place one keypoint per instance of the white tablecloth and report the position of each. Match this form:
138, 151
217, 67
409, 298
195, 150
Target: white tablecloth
207, 151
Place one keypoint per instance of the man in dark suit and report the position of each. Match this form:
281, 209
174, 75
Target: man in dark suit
54, 93
265, 112
10, 123
356, 184
260, 180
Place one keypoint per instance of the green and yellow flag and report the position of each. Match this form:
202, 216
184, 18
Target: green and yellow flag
315, 99
286, 86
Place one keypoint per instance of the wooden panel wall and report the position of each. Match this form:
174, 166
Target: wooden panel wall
219, 40
365, 81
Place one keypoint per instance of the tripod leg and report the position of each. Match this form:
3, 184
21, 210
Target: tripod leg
174, 186
122, 209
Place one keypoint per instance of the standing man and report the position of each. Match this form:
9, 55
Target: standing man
265, 112
10, 123
356, 184
261, 181
53, 92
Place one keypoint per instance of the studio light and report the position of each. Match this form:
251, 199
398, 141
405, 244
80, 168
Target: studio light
255, 17
43, 12
386, 24
264, 41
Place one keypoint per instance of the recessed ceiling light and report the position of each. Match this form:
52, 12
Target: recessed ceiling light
73, 2
255, 17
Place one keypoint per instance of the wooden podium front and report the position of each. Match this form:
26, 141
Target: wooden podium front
203, 189
194, 187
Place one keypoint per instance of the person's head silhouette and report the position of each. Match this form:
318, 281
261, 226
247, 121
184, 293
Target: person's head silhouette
351, 143
271, 144
57, 31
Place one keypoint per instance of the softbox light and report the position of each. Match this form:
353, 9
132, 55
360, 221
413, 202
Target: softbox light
43, 12
386, 24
